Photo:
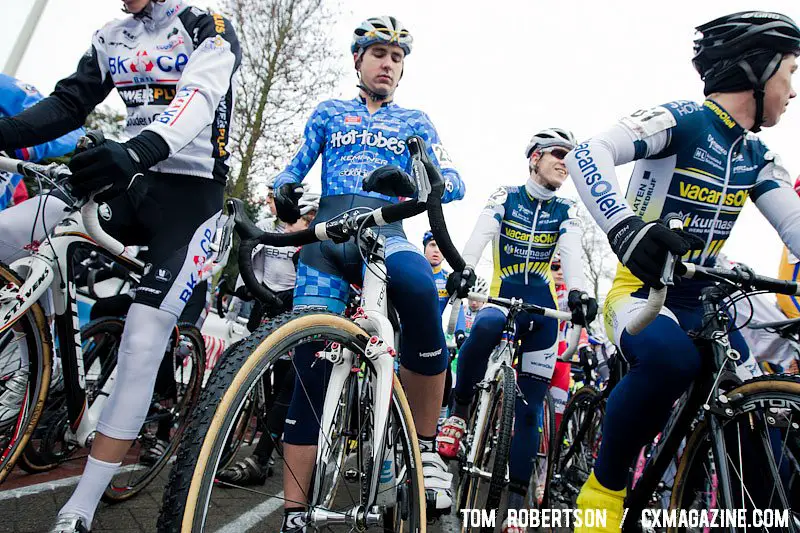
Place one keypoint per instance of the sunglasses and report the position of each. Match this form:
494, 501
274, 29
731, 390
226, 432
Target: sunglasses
555, 267
558, 153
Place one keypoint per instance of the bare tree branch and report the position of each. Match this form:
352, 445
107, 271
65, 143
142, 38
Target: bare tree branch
288, 64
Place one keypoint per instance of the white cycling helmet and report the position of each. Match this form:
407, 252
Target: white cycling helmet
481, 286
550, 137
308, 202
386, 30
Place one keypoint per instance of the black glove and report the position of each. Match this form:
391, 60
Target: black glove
112, 164
460, 283
583, 307
460, 337
109, 164
642, 247
390, 181
287, 200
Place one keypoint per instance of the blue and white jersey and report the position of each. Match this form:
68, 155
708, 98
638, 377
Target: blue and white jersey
354, 142
14, 97
524, 232
692, 160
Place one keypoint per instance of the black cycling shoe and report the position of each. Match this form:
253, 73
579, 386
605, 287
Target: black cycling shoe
244, 473
153, 452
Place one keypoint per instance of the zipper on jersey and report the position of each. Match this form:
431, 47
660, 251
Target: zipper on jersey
710, 237
530, 237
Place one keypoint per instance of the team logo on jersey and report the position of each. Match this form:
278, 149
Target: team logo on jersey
608, 201
368, 138
352, 120
703, 156
164, 275
142, 62
721, 113
709, 195
546, 238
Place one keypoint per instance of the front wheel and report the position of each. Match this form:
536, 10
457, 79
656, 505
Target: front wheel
26, 359
482, 483
194, 500
762, 457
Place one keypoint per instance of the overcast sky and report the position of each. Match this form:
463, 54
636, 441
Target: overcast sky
492, 76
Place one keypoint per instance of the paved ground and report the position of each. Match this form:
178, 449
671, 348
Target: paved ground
28, 503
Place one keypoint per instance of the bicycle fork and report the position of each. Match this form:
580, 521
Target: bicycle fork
381, 358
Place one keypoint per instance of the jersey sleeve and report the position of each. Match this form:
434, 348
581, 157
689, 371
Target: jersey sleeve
454, 186
775, 197
15, 97
487, 227
569, 246
308, 151
205, 81
592, 164
67, 106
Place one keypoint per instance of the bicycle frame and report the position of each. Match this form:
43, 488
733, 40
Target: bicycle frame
372, 317
50, 265
705, 395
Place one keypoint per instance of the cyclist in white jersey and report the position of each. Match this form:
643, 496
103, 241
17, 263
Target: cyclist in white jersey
173, 65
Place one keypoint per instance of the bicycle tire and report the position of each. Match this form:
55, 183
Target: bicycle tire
496, 438
188, 491
586, 399
116, 492
547, 439
42, 455
35, 329
762, 389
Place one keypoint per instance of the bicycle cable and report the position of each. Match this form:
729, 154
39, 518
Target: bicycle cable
359, 231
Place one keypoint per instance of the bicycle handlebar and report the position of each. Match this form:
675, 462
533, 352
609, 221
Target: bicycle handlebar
742, 279
89, 213
574, 335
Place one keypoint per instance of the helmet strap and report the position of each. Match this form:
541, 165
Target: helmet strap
372, 95
759, 85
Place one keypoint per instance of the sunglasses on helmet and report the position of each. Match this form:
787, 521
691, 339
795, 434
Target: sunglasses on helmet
556, 151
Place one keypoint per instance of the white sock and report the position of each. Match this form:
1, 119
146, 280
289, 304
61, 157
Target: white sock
96, 477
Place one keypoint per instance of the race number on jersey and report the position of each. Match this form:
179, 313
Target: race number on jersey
647, 122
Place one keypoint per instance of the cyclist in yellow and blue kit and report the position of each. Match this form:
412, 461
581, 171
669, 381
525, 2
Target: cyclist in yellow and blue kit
699, 162
525, 224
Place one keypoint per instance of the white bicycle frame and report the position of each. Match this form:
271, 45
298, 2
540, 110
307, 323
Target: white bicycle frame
502, 355
48, 266
373, 318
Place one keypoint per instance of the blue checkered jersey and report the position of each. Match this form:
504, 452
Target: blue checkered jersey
14, 97
354, 142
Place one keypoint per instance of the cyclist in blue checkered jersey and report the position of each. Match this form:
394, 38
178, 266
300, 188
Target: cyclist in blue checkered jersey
356, 137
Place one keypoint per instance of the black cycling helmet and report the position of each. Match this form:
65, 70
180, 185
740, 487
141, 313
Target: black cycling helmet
742, 51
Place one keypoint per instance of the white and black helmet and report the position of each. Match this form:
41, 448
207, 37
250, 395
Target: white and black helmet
308, 202
386, 30
550, 137
481, 286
